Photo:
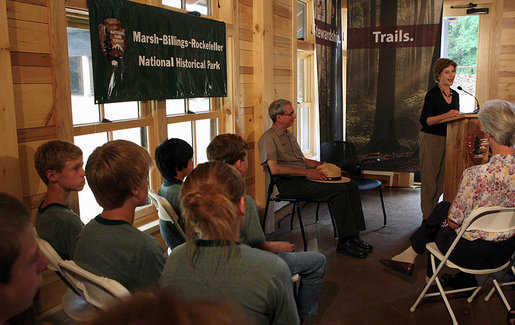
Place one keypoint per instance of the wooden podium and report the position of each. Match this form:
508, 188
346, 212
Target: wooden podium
457, 158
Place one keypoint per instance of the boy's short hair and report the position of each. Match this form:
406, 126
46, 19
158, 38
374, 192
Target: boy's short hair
114, 169
14, 218
228, 148
53, 155
171, 156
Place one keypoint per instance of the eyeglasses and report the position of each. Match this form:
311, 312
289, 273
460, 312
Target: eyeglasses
291, 113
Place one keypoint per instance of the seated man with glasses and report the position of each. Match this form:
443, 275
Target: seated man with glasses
279, 149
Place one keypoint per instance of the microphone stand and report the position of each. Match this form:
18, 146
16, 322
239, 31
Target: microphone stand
477, 101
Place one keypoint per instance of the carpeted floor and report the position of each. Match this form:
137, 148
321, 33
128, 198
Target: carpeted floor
362, 291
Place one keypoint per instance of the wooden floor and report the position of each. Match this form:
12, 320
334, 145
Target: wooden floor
362, 291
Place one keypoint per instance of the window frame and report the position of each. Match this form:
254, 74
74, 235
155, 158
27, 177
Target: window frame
152, 116
306, 50
307, 103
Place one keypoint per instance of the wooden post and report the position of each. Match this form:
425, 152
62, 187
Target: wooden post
9, 156
263, 88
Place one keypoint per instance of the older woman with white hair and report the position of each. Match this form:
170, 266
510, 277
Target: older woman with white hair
490, 184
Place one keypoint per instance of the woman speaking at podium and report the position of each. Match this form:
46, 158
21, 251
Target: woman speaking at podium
440, 103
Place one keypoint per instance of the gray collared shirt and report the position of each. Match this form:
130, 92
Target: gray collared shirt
275, 144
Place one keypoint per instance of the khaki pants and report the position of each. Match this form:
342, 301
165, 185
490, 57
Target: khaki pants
432, 171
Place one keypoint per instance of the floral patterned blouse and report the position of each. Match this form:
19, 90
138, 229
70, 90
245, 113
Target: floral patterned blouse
491, 184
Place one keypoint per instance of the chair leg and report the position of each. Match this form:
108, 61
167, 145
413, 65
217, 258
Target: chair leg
292, 216
382, 204
423, 293
441, 289
503, 298
318, 206
335, 235
475, 292
301, 227
266, 212
434, 278
506, 271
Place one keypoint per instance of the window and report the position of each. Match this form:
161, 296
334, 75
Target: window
195, 120
301, 20
197, 127
463, 33
202, 6
306, 119
305, 111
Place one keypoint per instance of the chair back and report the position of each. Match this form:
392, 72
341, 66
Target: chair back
491, 219
165, 210
341, 153
271, 185
52, 256
96, 290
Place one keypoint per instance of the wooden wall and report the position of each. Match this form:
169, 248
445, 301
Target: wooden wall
502, 74
35, 95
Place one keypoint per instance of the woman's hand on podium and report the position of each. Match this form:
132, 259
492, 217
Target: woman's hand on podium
452, 113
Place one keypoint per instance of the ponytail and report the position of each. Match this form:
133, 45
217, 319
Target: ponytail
209, 198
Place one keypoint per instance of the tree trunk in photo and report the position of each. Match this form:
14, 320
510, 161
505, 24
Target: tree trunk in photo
383, 137
372, 55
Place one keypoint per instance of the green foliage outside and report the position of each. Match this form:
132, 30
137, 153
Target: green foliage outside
462, 48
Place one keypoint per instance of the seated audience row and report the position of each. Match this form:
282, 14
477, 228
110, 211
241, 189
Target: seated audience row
109, 245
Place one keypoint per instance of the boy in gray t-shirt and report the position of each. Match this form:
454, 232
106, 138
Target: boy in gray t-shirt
109, 245
60, 166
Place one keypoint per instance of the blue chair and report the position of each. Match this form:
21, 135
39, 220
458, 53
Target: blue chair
344, 155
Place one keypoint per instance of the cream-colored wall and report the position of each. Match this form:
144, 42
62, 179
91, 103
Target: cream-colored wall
35, 96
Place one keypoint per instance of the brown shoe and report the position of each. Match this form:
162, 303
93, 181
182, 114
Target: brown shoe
403, 267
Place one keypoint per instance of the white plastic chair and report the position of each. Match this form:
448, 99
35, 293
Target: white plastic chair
97, 290
74, 306
165, 210
492, 219
52, 256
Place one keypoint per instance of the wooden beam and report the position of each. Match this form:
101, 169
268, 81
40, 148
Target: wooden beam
62, 106
9, 155
263, 87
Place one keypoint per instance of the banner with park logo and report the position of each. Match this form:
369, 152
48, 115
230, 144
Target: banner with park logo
392, 45
143, 52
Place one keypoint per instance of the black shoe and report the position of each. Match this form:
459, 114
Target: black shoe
349, 247
459, 280
363, 244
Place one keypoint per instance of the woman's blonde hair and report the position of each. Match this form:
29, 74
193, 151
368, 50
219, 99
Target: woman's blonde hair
208, 201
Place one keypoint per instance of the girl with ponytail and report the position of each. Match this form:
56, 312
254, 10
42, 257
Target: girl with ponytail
213, 265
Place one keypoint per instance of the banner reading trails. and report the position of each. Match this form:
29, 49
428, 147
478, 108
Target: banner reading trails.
392, 45
142, 52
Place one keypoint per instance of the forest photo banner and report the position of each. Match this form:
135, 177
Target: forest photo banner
143, 52
392, 45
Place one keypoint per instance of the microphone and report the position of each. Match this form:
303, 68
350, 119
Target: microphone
477, 101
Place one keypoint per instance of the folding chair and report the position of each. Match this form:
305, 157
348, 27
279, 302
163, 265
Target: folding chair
74, 306
491, 219
165, 211
296, 207
97, 290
